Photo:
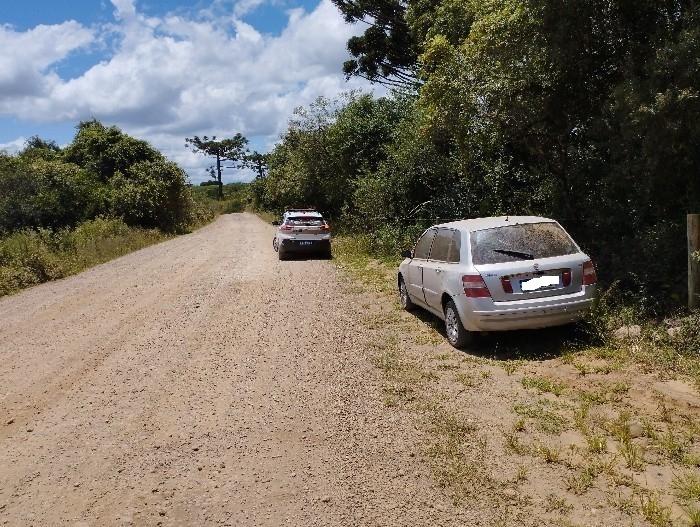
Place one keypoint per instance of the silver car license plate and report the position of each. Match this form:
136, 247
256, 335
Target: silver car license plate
540, 282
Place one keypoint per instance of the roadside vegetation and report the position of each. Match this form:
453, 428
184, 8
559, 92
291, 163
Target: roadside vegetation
63, 210
586, 115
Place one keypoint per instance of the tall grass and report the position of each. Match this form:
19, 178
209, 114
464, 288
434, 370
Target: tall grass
31, 257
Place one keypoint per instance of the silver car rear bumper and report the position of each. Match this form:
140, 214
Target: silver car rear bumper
487, 315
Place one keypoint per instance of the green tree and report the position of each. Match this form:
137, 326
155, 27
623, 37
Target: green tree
233, 150
326, 149
386, 51
152, 194
257, 162
104, 151
46, 193
38, 148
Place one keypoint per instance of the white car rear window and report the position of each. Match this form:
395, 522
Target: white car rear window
512, 243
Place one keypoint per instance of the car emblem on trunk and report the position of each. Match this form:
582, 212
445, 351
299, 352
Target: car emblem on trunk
537, 267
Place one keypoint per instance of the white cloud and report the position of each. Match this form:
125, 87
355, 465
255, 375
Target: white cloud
125, 9
13, 146
27, 55
173, 77
243, 7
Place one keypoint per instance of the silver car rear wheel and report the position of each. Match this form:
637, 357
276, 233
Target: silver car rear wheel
456, 334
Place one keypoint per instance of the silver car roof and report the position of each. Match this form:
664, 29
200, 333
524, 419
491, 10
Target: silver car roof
478, 224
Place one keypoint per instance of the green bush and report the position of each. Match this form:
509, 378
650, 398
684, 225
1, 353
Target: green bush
152, 194
52, 194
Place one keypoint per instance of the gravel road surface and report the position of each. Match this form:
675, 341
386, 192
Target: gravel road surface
201, 382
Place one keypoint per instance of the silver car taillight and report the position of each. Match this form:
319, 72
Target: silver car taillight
589, 275
475, 287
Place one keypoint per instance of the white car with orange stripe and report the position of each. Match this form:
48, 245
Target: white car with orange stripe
497, 274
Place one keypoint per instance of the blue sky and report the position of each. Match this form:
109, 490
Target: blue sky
166, 69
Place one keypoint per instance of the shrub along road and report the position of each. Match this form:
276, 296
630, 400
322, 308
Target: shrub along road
201, 381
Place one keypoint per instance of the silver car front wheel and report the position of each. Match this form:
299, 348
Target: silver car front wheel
404, 299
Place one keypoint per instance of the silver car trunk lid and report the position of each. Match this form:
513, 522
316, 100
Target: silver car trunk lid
539, 278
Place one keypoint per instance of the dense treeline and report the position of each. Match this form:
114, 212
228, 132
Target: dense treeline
103, 172
588, 112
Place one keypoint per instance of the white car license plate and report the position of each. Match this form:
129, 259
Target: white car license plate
541, 282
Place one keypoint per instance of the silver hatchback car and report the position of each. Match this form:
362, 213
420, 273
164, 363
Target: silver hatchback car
496, 274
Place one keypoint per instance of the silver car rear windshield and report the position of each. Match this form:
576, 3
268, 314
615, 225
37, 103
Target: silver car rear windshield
304, 221
513, 243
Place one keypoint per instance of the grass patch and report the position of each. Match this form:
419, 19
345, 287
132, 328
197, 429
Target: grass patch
458, 457
555, 503
352, 255
580, 482
606, 393
545, 419
548, 453
543, 385
672, 446
597, 444
632, 454
467, 380
513, 444
692, 515
654, 512
686, 487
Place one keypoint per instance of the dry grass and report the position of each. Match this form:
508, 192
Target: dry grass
29, 258
686, 486
545, 419
544, 385
654, 511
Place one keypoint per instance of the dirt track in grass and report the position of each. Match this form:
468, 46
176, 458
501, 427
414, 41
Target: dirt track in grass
203, 382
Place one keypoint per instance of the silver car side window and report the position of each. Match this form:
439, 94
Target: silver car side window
455, 247
441, 245
423, 245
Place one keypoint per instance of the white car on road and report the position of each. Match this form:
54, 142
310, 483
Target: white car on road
302, 231
495, 274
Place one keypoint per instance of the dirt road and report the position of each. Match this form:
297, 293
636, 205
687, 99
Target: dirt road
201, 382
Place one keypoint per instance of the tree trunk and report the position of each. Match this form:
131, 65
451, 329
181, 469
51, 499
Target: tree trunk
693, 262
218, 177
